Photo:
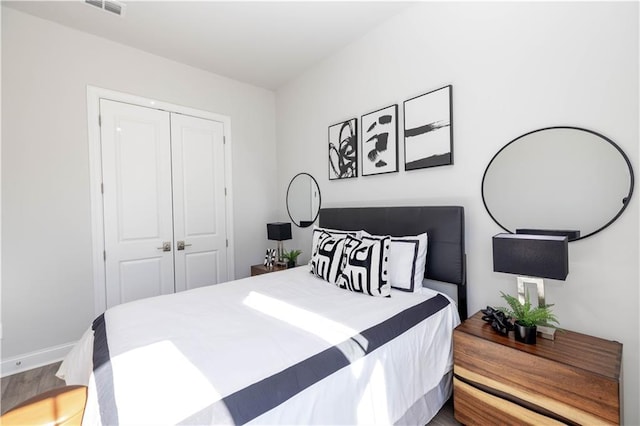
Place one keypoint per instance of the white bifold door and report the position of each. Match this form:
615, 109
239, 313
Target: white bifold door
164, 201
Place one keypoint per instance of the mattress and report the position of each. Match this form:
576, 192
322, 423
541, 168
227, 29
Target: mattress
278, 348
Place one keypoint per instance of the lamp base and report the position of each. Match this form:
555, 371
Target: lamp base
280, 251
538, 282
548, 333
543, 331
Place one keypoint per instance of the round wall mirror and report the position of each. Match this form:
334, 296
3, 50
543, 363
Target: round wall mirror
558, 178
303, 200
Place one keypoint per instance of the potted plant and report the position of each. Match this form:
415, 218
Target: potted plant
291, 257
527, 318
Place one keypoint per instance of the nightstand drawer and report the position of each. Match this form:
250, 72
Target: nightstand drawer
568, 391
475, 407
573, 379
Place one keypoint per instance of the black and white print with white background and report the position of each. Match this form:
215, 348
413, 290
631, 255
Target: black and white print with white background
428, 130
343, 150
380, 141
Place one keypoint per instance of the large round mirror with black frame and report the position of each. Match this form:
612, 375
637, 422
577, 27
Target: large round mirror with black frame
558, 178
303, 200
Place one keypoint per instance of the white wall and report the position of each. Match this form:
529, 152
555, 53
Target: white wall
47, 288
514, 68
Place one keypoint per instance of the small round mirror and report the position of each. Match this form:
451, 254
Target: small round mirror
558, 178
303, 200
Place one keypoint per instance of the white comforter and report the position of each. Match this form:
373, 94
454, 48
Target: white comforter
173, 357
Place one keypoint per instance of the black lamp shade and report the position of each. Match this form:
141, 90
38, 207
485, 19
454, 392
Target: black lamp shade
541, 256
279, 231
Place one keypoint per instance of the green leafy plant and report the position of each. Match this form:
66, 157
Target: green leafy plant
527, 316
292, 255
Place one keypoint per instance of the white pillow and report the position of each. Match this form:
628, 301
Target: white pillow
333, 232
365, 266
407, 261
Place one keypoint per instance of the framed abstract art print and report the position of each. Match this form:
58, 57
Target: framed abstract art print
380, 141
428, 130
343, 150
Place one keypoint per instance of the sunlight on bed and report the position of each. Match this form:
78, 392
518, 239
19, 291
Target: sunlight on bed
149, 365
326, 329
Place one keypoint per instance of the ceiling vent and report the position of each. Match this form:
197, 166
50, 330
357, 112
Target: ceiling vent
112, 6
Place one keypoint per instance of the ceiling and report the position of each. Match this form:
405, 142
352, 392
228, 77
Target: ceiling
262, 43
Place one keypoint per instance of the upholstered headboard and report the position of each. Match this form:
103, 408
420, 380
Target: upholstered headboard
444, 226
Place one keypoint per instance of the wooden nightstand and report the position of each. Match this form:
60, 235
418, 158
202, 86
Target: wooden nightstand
572, 379
261, 269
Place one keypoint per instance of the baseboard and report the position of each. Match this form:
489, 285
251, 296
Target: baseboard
35, 359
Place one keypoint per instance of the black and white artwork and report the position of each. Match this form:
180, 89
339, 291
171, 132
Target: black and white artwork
380, 141
343, 150
270, 258
428, 130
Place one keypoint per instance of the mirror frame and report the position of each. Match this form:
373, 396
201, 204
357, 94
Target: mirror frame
319, 200
604, 138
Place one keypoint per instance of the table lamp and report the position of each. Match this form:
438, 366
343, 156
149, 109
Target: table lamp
532, 258
279, 231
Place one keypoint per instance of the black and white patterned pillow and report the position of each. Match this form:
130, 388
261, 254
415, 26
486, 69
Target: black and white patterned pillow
327, 256
365, 266
337, 233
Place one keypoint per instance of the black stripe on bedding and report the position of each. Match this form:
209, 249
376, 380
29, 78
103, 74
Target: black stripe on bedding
103, 373
260, 397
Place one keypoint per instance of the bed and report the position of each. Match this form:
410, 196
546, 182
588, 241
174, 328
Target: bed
284, 347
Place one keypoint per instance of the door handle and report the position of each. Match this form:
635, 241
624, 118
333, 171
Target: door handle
182, 245
166, 246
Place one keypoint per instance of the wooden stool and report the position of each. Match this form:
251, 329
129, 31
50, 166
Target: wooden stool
60, 406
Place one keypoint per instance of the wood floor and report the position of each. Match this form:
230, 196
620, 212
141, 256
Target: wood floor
22, 386
445, 416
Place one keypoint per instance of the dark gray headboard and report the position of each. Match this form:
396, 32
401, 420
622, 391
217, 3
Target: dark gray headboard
444, 226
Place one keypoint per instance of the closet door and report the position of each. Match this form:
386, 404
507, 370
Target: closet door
199, 202
137, 199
